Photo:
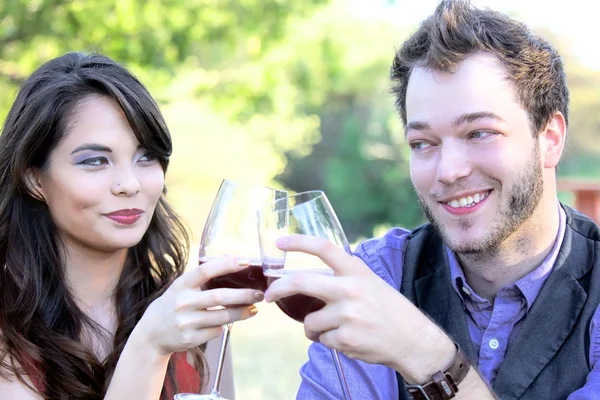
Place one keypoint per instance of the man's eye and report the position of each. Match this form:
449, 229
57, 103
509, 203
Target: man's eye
419, 145
482, 134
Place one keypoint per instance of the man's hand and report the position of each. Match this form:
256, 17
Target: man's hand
364, 317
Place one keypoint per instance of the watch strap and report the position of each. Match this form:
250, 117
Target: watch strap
443, 384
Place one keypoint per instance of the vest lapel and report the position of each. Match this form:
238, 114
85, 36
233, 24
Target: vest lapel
437, 297
547, 325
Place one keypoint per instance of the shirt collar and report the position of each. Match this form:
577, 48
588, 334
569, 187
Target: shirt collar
531, 284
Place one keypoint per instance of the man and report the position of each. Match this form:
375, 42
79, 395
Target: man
499, 293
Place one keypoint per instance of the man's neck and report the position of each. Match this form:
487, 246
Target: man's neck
517, 256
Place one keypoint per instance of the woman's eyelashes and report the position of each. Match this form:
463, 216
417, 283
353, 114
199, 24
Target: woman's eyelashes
100, 160
94, 161
147, 156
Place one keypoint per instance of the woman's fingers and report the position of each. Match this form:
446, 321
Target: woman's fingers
200, 300
197, 320
198, 276
194, 338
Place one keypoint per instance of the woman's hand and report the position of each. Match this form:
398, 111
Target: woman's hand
180, 319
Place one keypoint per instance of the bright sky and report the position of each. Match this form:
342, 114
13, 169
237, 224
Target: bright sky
577, 21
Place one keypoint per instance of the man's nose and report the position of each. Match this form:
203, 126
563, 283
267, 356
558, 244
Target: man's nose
454, 163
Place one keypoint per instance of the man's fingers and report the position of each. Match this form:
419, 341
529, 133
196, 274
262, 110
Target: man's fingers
321, 321
330, 339
335, 257
323, 287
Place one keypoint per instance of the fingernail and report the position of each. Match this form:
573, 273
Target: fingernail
259, 296
243, 262
253, 310
267, 297
282, 241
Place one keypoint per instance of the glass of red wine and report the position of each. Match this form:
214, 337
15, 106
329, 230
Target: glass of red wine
230, 231
306, 213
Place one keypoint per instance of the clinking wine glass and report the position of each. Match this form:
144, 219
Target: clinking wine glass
230, 230
306, 213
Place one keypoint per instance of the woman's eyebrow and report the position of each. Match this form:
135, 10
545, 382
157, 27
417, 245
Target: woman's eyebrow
93, 147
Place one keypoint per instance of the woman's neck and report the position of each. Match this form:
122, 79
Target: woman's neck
92, 275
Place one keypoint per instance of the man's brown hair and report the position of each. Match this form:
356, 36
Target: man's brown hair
457, 30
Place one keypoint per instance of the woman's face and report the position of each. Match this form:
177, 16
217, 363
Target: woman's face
100, 185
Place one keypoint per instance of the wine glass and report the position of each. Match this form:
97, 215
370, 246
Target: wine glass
306, 213
230, 230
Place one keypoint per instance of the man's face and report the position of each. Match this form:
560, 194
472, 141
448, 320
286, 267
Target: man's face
475, 164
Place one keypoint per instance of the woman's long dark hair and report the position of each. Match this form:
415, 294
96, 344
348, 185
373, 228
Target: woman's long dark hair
40, 322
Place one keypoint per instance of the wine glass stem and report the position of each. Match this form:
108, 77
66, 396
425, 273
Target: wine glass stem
224, 340
341, 376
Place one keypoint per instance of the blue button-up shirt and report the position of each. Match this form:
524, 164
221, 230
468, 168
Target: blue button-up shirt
492, 326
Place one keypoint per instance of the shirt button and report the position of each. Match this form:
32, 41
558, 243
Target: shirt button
494, 344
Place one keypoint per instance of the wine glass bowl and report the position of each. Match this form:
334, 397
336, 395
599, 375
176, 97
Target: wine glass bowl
230, 231
306, 213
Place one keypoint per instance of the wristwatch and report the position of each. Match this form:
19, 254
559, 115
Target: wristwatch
443, 385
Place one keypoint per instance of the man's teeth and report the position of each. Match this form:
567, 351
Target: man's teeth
468, 201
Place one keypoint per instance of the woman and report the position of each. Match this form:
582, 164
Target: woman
93, 299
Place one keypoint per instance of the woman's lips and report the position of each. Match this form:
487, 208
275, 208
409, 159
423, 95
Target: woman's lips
125, 217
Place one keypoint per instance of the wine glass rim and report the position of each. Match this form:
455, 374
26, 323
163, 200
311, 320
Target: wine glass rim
251, 185
313, 195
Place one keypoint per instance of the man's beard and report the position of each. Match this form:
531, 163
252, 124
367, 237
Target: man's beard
523, 198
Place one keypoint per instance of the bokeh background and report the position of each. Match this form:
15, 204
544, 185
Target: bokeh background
289, 93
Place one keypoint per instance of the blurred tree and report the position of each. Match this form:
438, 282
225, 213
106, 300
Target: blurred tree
242, 74
214, 65
360, 160
583, 141
154, 38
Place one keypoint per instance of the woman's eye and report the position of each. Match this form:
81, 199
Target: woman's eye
148, 156
94, 161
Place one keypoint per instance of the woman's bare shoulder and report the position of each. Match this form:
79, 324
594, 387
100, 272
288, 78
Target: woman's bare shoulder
10, 386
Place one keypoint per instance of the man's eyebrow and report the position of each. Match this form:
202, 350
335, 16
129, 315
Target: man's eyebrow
474, 116
463, 119
93, 147
416, 125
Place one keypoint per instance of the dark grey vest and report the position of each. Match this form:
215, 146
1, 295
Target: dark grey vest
550, 357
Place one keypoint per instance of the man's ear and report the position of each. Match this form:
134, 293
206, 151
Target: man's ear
33, 182
553, 140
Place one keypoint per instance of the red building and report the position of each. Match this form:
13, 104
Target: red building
587, 196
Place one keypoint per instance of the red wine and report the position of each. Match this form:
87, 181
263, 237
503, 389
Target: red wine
249, 278
297, 306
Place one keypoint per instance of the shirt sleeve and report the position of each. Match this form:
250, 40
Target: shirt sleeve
365, 381
591, 389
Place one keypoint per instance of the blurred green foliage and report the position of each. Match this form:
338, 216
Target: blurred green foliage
291, 90
291, 93
155, 38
